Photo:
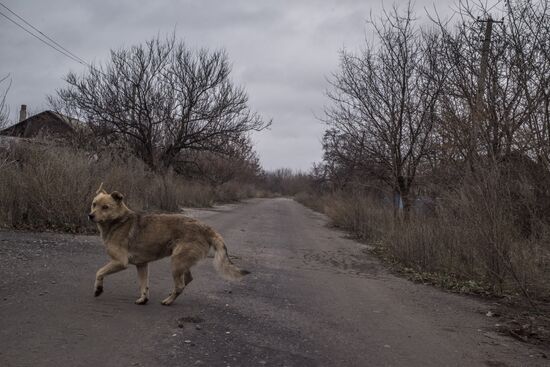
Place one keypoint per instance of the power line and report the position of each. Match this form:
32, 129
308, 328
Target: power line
40, 39
51, 44
45, 35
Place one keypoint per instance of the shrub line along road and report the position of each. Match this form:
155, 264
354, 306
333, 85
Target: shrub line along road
314, 298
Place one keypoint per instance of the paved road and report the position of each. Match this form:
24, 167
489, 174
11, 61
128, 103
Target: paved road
314, 298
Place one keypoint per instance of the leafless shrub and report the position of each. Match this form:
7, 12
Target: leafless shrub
285, 181
52, 187
364, 216
237, 162
234, 191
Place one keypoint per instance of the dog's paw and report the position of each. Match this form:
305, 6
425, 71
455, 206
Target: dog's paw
98, 291
167, 301
141, 301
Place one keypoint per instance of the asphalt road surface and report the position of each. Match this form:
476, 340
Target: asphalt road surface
314, 298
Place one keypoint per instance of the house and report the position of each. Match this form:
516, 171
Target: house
44, 124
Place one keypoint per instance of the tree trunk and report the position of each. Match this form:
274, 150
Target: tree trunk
407, 205
404, 188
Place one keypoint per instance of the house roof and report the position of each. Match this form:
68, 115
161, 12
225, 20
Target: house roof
44, 123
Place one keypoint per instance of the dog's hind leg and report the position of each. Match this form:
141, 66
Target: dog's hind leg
184, 256
143, 277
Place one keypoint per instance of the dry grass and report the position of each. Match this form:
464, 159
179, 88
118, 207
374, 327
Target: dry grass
471, 243
51, 187
356, 213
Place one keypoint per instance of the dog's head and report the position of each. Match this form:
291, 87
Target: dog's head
107, 207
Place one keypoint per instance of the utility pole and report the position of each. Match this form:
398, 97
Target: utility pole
478, 112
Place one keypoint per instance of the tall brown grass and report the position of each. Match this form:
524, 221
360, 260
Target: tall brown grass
44, 186
474, 236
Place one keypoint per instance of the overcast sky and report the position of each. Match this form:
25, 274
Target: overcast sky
281, 50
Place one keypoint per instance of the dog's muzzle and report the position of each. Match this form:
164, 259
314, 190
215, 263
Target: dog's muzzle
91, 216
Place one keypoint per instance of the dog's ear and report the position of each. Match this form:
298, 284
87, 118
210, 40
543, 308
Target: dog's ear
101, 190
117, 196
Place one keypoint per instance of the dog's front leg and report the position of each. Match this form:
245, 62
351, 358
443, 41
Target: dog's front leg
143, 276
113, 266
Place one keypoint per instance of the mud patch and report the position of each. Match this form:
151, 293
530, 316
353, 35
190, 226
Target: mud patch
182, 321
344, 261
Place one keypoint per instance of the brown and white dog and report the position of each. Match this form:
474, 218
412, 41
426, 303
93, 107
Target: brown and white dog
137, 239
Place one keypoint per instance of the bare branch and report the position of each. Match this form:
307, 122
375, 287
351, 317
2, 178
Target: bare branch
161, 99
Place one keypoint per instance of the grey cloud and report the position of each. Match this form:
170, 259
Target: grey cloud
281, 53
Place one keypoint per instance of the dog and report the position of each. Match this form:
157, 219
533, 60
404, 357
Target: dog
137, 239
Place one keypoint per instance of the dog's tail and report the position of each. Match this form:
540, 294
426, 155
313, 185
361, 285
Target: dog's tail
223, 265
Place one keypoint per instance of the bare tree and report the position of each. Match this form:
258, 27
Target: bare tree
493, 107
4, 109
161, 99
346, 160
528, 35
384, 102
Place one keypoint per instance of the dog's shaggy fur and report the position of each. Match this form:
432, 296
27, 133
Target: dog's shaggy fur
137, 239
